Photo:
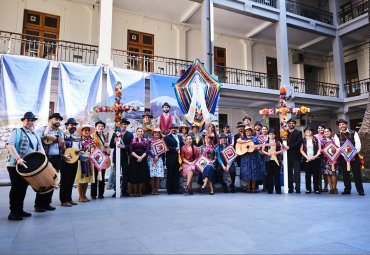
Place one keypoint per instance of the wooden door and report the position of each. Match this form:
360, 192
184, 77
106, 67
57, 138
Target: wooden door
220, 63
141, 50
352, 78
272, 73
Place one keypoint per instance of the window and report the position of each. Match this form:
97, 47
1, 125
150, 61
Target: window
220, 63
42, 33
141, 50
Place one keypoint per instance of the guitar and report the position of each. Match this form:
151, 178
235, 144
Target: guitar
60, 133
249, 146
73, 153
273, 157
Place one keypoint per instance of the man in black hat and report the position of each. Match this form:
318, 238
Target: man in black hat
240, 126
124, 138
294, 141
196, 136
340, 138
165, 120
147, 125
21, 142
174, 143
226, 131
68, 171
53, 141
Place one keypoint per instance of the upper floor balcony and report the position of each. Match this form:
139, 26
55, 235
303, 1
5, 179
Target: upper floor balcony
357, 88
308, 11
350, 10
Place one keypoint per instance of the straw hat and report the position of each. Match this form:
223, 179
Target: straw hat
79, 130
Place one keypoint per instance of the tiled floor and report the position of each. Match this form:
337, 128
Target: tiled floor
200, 224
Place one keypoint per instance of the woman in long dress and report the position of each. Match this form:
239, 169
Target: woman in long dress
208, 151
189, 153
85, 170
155, 163
249, 162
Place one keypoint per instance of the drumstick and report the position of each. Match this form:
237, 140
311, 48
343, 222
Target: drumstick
24, 165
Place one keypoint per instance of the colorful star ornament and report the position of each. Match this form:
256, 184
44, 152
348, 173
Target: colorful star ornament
229, 153
331, 152
348, 151
117, 108
197, 94
283, 110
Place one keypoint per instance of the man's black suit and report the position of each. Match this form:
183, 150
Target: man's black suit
172, 163
294, 141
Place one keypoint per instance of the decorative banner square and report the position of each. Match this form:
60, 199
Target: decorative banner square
201, 163
348, 151
331, 152
99, 158
229, 153
159, 147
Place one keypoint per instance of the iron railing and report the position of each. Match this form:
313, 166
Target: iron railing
47, 48
314, 87
149, 63
308, 11
271, 3
357, 88
352, 11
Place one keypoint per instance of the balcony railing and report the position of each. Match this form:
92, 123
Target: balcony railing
357, 88
308, 11
47, 48
149, 63
353, 11
271, 3
314, 87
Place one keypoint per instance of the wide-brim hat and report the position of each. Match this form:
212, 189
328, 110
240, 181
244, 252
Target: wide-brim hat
71, 121
174, 126
166, 104
211, 124
292, 120
240, 124
100, 122
157, 129
125, 121
271, 130
79, 130
56, 115
223, 135
147, 114
29, 116
248, 127
184, 126
195, 125
342, 121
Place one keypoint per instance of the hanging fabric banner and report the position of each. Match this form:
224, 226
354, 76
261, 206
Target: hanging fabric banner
133, 89
161, 91
80, 88
25, 86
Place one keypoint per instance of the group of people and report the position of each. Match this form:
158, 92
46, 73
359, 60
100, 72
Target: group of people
142, 166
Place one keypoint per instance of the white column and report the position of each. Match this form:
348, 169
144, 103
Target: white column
207, 35
249, 54
339, 69
105, 33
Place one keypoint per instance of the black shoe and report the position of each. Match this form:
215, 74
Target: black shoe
361, 193
93, 197
298, 192
226, 190
324, 190
317, 192
39, 209
49, 208
290, 191
191, 192
114, 194
232, 189
177, 192
269, 192
25, 214
101, 196
278, 192
14, 216
211, 193
73, 203
346, 193
308, 191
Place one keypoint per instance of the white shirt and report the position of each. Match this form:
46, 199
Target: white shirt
309, 147
357, 141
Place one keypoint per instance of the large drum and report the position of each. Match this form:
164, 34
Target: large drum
40, 173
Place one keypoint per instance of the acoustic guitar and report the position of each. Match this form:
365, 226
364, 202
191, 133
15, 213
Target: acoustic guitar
48, 142
73, 153
274, 157
249, 146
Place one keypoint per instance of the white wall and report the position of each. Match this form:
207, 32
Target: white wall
77, 21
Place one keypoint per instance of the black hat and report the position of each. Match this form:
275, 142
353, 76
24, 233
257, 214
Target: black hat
292, 120
29, 115
271, 130
100, 122
321, 125
240, 124
174, 126
308, 128
258, 123
71, 121
225, 126
223, 135
125, 121
342, 121
147, 114
166, 104
247, 118
56, 115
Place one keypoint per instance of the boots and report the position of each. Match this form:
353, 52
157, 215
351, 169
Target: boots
253, 190
140, 191
153, 185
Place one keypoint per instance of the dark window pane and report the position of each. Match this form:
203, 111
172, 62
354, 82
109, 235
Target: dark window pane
33, 19
133, 37
220, 53
147, 39
51, 22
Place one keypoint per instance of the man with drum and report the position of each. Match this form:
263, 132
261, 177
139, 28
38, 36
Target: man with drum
21, 142
53, 142
68, 170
